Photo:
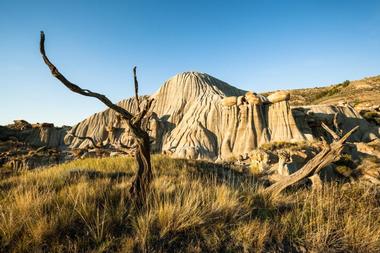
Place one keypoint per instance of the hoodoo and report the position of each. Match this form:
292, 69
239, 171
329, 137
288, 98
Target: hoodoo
195, 115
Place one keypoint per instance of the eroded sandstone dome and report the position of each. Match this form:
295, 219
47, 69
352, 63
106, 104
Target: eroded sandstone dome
201, 117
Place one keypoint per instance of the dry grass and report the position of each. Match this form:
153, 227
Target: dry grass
194, 207
359, 92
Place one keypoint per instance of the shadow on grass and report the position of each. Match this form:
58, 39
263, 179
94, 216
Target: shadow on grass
77, 174
217, 173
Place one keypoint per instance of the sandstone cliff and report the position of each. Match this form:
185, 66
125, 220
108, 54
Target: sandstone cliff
198, 116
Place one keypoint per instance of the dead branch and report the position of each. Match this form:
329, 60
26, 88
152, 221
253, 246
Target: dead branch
337, 147
75, 88
102, 146
136, 89
88, 138
316, 182
329, 154
331, 132
338, 130
121, 144
137, 119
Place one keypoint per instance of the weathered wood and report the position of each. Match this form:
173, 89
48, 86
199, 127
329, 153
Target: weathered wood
283, 159
136, 89
75, 88
141, 182
338, 130
329, 154
331, 132
88, 138
316, 182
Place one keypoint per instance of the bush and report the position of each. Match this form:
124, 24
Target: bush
328, 92
271, 146
345, 84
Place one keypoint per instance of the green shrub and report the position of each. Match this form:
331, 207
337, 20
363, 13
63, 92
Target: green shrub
330, 91
345, 84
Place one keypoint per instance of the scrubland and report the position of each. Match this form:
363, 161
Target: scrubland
83, 206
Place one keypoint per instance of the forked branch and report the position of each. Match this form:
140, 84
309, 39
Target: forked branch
329, 154
137, 119
141, 183
331, 132
75, 88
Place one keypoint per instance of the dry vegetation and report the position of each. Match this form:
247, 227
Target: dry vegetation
358, 92
194, 206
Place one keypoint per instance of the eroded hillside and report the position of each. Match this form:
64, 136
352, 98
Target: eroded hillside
360, 93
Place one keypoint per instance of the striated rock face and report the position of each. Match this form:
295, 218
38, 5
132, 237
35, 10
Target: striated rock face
28, 146
35, 135
200, 117
309, 120
185, 121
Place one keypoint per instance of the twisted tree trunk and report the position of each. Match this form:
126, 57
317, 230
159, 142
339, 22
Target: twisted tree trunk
143, 177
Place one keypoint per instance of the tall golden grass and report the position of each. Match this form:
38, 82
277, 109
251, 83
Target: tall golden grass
83, 206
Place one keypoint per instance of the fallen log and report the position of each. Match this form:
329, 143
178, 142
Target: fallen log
330, 153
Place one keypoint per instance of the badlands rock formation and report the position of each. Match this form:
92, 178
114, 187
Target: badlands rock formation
198, 116
35, 135
27, 146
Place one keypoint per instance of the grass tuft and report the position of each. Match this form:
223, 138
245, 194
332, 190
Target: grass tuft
193, 207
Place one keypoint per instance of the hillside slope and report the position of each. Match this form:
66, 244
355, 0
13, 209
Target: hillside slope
360, 93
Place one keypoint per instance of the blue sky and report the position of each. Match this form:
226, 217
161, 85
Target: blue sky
254, 45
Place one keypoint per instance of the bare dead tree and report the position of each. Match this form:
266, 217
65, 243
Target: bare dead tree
330, 153
141, 183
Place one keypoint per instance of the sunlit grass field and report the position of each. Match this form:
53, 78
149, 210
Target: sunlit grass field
83, 206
